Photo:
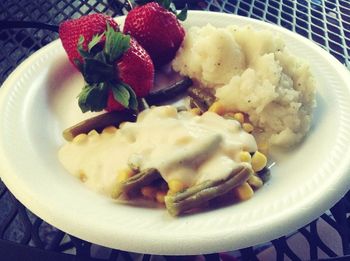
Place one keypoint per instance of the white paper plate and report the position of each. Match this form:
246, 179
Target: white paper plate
38, 102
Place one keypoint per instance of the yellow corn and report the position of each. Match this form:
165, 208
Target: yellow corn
255, 181
239, 117
244, 156
175, 185
109, 129
182, 140
259, 161
82, 176
122, 124
229, 115
169, 111
243, 192
93, 133
149, 192
79, 139
248, 127
217, 108
263, 147
195, 111
124, 174
160, 196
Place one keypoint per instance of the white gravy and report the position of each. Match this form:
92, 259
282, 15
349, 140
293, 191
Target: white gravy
180, 145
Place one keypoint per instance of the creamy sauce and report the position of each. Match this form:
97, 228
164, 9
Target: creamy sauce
180, 145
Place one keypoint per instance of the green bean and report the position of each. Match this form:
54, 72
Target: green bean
264, 174
168, 93
98, 123
199, 194
136, 181
201, 98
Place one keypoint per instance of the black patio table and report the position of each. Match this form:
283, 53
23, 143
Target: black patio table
24, 236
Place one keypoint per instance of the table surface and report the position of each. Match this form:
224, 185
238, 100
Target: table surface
326, 22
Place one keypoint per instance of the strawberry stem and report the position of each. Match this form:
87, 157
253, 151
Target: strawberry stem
168, 5
99, 68
95, 40
124, 95
116, 44
96, 71
93, 97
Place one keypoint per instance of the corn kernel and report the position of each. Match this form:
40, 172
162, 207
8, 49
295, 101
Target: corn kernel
239, 117
217, 108
248, 127
244, 156
229, 115
175, 186
82, 176
243, 192
149, 192
255, 182
182, 140
109, 129
124, 174
79, 139
169, 111
122, 124
160, 196
263, 147
195, 111
93, 133
259, 161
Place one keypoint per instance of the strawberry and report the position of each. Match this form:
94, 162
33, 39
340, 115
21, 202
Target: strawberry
157, 30
115, 67
87, 26
135, 69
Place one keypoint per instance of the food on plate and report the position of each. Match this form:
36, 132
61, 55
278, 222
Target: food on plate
253, 72
241, 92
98, 123
169, 93
115, 67
195, 196
156, 27
87, 26
116, 117
181, 159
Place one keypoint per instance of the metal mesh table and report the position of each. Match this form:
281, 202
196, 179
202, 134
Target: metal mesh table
24, 236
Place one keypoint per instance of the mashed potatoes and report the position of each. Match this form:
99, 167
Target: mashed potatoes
253, 72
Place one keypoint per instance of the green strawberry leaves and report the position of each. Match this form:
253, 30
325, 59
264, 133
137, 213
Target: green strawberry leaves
100, 72
124, 95
96, 71
93, 97
95, 40
182, 15
81, 49
116, 44
166, 4
169, 5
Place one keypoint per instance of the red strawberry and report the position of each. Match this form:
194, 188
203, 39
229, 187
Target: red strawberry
115, 67
86, 26
157, 30
135, 69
